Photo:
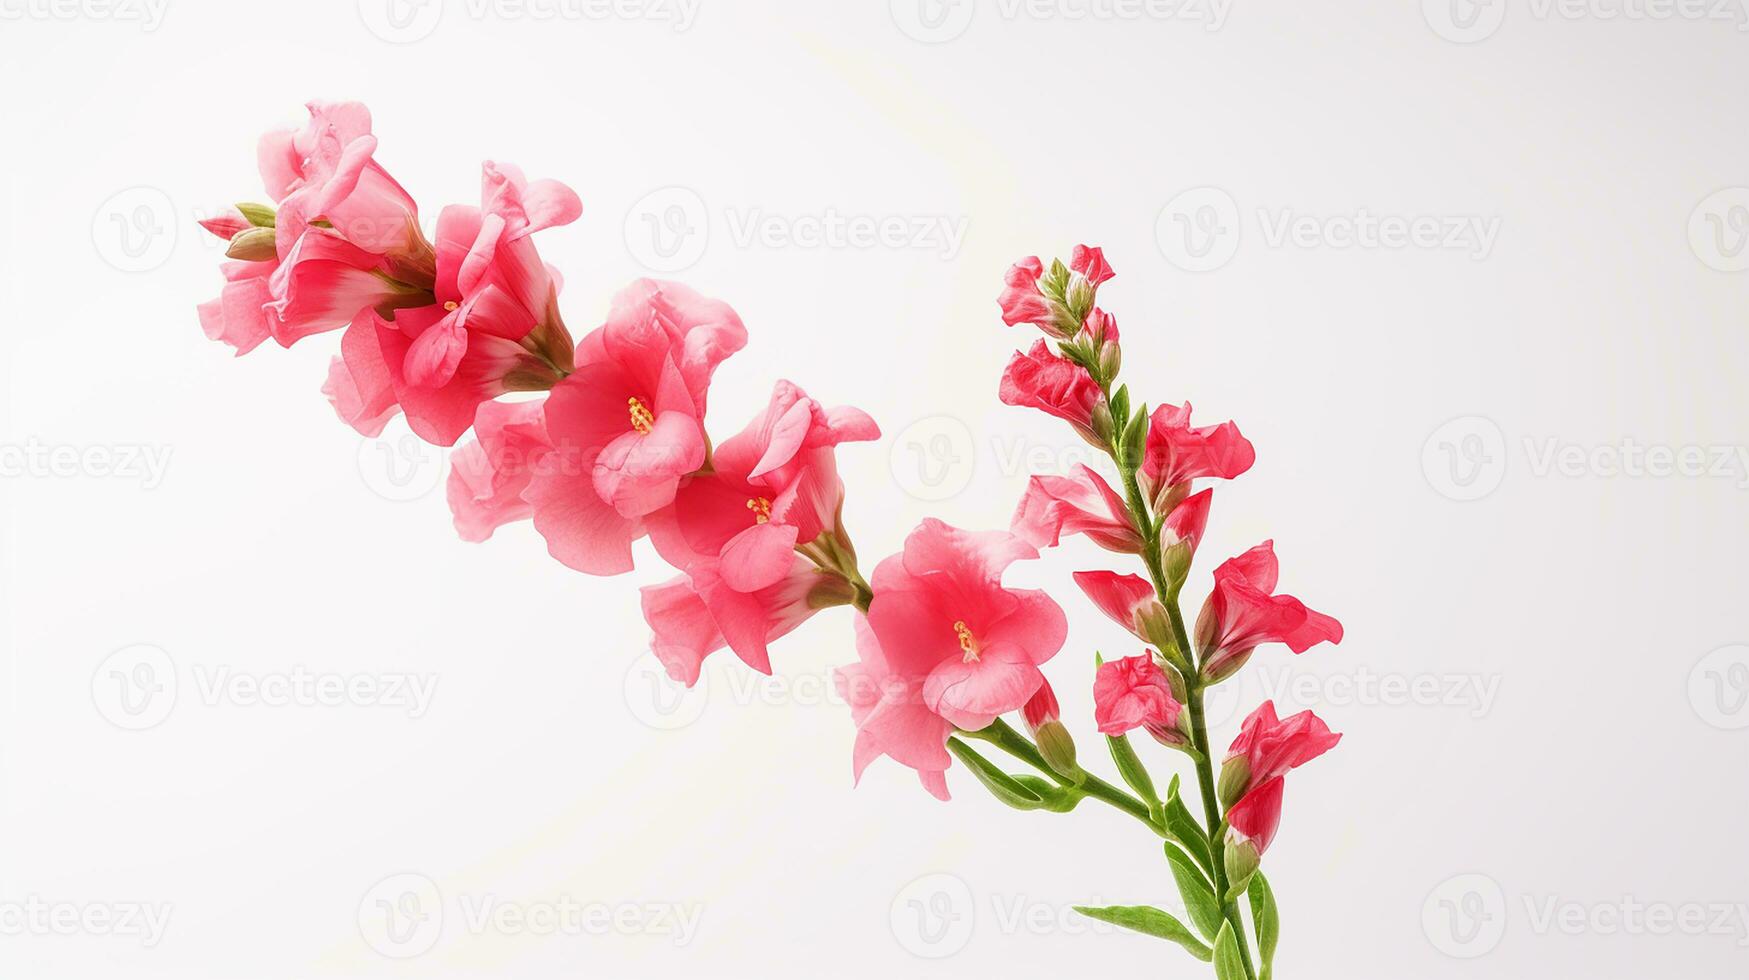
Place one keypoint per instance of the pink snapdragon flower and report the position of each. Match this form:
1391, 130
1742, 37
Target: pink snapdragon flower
1268, 747
1021, 300
488, 476
1090, 262
627, 424
1133, 692
1081, 503
239, 316
1176, 453
492, 325
326, 171
1128, 599
696, 614
1054, 385
1243, 612
1185, 525
772, 487
885, 694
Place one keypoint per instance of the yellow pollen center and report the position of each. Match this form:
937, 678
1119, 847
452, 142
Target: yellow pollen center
642, 419
761, 509
968, 642
450, 305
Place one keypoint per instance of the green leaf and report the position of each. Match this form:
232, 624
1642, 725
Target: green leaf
1135, 438
1129, 765
1267, 922
1229, 962
1194, 888
1184, 829
251, 245
1001, 785
1150, 921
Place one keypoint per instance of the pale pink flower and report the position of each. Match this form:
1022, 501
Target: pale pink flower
487, 477
1081, 503
696, 614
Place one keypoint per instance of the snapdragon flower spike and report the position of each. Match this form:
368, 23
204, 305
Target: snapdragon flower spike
696, 614
771, 487
628, 424
1243, 612
1176, 453
1268, 747
492, 325
1057, 300
1134, 692
1081, 503
1053, 385
948, 646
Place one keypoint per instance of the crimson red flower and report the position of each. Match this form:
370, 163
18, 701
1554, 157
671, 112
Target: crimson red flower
1177, 453
1053, 385
1268, 747
1133, 692
1082, 503
1255, 819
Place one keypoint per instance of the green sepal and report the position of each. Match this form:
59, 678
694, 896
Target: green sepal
1150, 921
1054, 798
1135, 438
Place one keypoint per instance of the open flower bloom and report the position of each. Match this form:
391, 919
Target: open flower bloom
492, 325
239, 315
695, 615
947, 624
1133, 692
487, 477
886, 703
771, 487
1021, 300
1176, 453
627, 424
1243, 612
1128, 599
1081, 503
1090, 262
1184, 526
1268, 747
1253, 821
1052, 384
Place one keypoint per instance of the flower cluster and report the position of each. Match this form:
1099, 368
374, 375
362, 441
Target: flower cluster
601, 441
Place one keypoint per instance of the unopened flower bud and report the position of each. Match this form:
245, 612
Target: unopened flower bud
1102, 422
1110, 360
1224, 664
1242, 861
1054, 741
259, 215
1154, 625
252, 245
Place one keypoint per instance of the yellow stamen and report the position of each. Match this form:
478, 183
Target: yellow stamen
968, 642
642, 419
761, 509
450, 305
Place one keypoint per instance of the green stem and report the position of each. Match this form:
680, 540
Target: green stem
1003, 736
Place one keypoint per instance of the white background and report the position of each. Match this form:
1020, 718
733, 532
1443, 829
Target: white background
1600, 605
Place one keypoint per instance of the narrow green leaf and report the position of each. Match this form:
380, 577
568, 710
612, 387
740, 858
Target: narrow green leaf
1150, 921
1135, 438
1129, 765
1184, 829
1268, 924
1198, 894
1229, 963
1000, 784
